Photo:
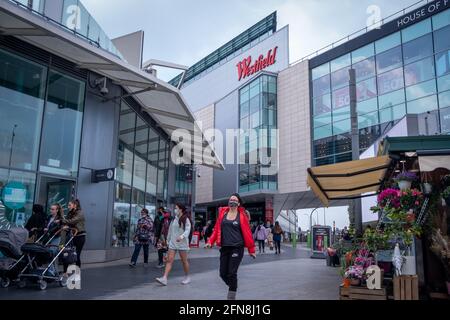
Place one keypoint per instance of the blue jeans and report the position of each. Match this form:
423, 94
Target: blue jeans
137, 250
54, 248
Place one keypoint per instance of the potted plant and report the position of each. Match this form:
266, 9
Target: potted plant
405, 180
355, 274
446, 196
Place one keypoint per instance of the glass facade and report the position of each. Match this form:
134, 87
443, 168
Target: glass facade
258, 120
407, 72
141, 179
40, 132
75, 16
184, 185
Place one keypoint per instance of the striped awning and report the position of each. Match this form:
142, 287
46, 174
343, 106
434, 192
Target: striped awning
348, 180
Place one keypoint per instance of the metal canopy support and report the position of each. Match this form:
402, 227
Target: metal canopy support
355, 144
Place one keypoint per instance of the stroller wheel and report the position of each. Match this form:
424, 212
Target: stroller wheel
22, 284
42, 284
5, 282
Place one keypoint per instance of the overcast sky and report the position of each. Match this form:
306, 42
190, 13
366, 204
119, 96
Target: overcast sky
185, 31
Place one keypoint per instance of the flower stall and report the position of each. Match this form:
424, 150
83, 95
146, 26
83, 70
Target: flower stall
406, 255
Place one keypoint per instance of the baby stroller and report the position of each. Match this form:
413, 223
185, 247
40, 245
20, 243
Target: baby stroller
11, 242
41, 261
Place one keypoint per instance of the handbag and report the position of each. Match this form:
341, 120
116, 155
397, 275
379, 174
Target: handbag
68, 256
144, 237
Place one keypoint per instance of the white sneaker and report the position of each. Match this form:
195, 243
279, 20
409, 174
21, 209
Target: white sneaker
186, 281
162, 281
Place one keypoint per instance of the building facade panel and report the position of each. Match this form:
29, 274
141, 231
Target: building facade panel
294, 128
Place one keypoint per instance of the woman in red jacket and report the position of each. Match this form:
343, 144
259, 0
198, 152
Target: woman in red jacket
232, 233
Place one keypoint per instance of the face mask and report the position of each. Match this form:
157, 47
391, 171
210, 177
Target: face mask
233, 204
176, 211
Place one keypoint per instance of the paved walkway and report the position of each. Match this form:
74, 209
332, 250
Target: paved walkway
291, 276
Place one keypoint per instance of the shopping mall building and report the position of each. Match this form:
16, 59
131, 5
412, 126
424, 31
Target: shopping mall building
81, 118
403, 88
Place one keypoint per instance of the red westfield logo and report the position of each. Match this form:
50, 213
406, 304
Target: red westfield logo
246, 68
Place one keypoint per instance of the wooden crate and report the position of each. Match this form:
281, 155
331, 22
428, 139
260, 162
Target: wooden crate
362, 293
406, 288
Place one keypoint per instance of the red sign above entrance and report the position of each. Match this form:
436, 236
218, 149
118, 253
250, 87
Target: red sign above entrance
246, 68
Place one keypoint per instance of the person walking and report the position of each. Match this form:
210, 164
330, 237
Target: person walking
142, 238
75, 220
208, 230
261, 236
277, 234
178, 240
52, 230
161, 233
37, 222
232, 233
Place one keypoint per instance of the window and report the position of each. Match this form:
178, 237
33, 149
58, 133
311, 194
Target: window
444, 100
366, 89
391, 99
363, 53
322, 120
417, 30
320, 71
121, 217
340, 78
341, 114
441, 39
368, 120
387, 43
367, 106
422, 105
22, 91
365, 69
125, 156
245, 109
418, 49
420, 71
323, 132
321, 86
340, 127
343, 143
443, 63
389, 60
322, 104
367, 136
445, 120
441, 20
62, 125
420, 90
341, 98
23, 184
340, 63
392, 113
390, 81
323, 147
444, 83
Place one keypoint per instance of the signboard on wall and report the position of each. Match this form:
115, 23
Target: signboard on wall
248, 66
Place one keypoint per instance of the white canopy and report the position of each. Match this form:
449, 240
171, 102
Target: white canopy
162, 101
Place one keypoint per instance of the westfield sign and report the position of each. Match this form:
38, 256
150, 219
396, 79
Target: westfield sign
248, 67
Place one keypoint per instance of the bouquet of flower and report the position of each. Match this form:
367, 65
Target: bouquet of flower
354, 272
411, 200
389, 197
406, 176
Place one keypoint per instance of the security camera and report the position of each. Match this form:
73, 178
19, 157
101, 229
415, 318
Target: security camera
103, 90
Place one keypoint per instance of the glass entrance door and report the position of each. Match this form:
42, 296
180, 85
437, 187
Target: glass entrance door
53, 190
60, 192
